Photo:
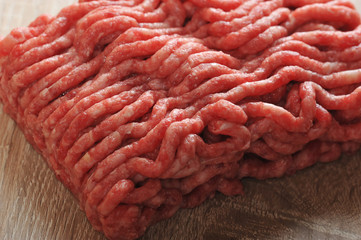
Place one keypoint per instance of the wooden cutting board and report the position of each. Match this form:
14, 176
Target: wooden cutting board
322, 202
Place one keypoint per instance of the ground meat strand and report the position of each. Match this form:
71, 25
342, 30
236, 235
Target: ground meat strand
143, 107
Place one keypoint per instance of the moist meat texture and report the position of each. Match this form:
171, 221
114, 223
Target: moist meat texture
143, 107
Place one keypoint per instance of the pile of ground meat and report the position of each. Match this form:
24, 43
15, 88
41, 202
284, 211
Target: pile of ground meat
143, 107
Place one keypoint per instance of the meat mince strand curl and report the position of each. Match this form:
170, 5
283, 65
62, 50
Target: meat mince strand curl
143, 107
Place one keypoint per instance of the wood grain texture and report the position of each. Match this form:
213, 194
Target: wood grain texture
322, 202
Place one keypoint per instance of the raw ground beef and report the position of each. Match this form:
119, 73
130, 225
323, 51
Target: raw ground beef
143, 107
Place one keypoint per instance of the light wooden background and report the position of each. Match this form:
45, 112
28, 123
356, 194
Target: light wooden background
323, 202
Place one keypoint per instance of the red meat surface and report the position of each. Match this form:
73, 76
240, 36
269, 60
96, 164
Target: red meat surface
143, 107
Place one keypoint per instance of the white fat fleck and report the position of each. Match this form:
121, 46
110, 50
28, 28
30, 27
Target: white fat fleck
129, 113
224, 126
98, 110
